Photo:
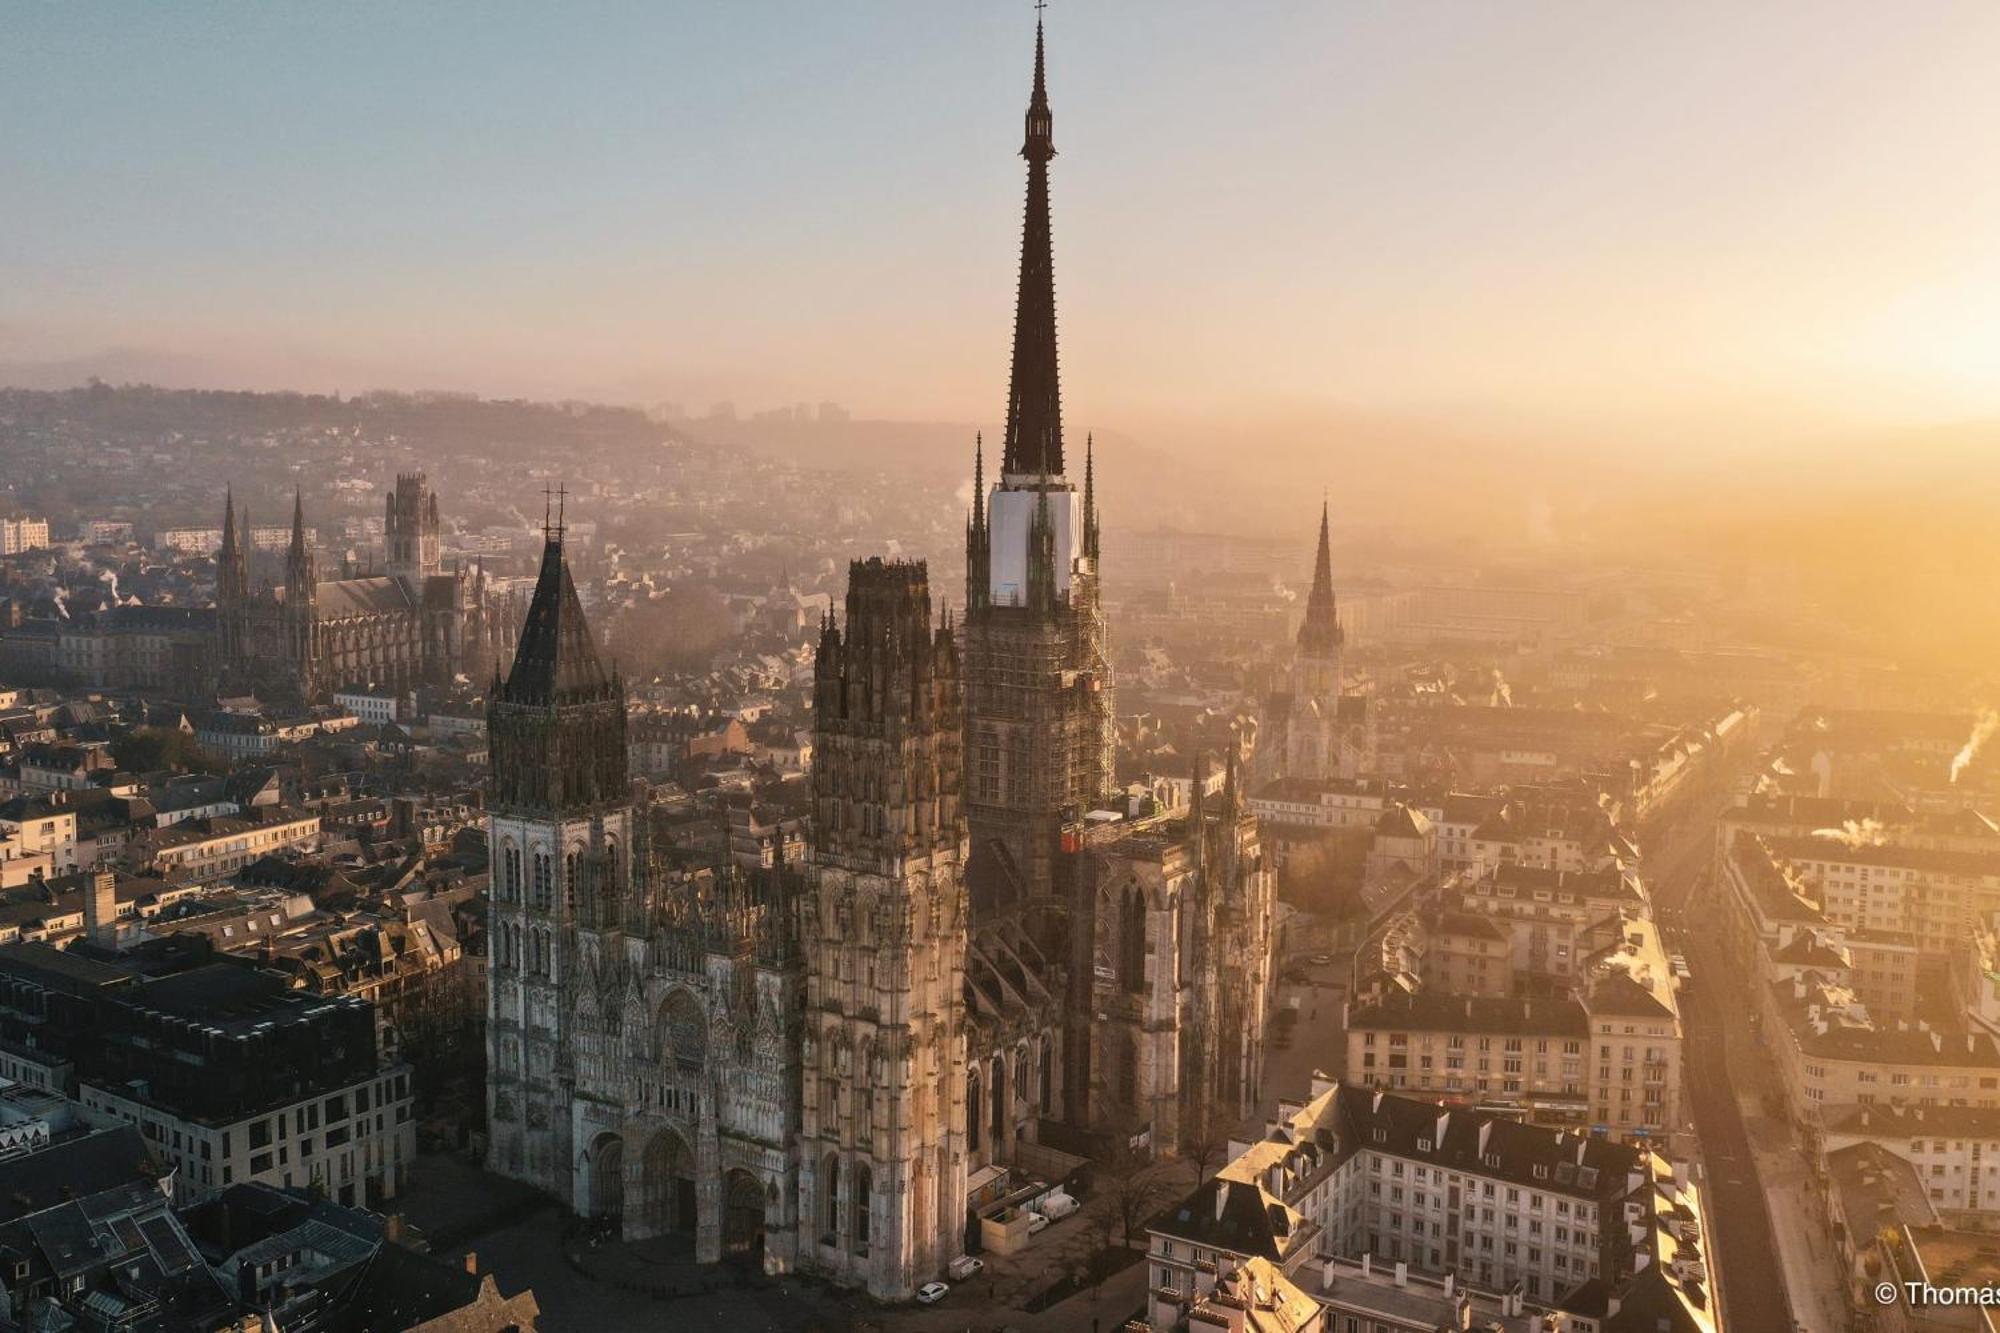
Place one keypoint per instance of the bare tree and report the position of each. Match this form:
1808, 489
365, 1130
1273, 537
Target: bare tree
1135, 1189
1203, 1143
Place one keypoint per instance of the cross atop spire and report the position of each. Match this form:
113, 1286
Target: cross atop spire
554, 501
1034, 395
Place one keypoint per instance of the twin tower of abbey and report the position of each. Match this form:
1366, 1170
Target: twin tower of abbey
806, 1064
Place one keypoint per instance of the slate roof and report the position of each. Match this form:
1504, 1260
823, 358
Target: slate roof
1434, 1011
375, 596
89, 1164
1236, 1216
556, 659
1495, 1147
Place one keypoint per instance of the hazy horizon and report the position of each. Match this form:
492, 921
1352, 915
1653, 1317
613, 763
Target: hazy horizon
1767, 229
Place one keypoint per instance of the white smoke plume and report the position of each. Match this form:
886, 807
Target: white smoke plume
1503, 694
1982, 731
1856, 833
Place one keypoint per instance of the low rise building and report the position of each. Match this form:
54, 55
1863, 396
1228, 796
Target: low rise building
207, 849
1514, 1215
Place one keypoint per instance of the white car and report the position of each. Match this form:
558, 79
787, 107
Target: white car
965, 1266
931, 1293
1036, 1222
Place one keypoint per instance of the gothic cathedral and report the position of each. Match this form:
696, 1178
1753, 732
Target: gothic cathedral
803, 1067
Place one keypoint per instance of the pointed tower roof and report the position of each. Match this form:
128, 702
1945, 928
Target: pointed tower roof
1034, 395
301, 563
232, 549
231, 580
556, 661
1320, 635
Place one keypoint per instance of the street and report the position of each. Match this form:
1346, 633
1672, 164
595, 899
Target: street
1741, 1246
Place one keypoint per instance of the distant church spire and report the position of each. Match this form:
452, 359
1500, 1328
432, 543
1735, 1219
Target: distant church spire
1320, 635
1034, 395
300, 573
231, 582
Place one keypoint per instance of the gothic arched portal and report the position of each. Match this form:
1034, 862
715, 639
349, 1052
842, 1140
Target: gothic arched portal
607, 1179
667, 1181
743, 1217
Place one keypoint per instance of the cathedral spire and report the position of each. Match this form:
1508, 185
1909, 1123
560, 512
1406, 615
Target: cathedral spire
299, 571
1034, 395
979, 479
978, 541
231, 584
1320, 635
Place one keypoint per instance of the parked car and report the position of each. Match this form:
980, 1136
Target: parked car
931, 1293
965, 1266
1036, 1222
1322, 960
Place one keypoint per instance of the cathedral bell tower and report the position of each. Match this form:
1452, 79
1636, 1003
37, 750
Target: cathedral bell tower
883, 929
559, 830
411, 530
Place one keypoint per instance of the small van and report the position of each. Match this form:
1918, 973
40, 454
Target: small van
1058, 1206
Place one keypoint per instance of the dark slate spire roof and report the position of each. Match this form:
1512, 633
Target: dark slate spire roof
1320, 635
301, 567
231, 581
1034, 395
556, 661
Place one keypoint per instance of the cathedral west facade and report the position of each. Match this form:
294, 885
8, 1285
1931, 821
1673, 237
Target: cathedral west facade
805, 1065
642, 1025
414, 624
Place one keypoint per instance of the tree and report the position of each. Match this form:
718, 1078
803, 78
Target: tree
149, 749
1203, 1143
1135, 1189
679, 630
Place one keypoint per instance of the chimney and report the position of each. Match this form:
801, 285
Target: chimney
1450, 1283
100, 909
1367, 1263
472, 1263
1402, 1274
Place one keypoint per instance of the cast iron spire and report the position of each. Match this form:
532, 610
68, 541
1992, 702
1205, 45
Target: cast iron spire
1034, 396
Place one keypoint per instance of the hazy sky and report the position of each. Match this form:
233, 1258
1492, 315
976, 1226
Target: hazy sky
1589, 215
